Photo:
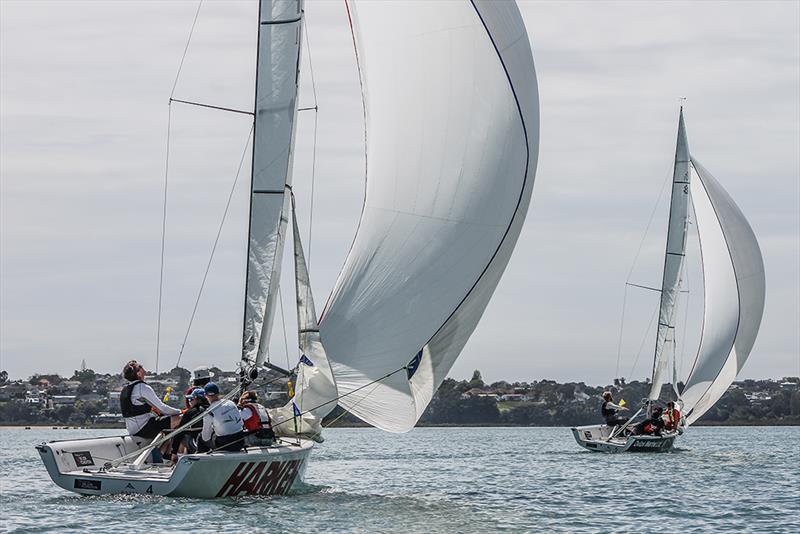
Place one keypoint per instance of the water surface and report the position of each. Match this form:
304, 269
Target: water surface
453, 480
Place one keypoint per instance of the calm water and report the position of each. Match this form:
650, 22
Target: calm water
454, 480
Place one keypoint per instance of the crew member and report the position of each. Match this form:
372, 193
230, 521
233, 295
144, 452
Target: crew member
184, 441
200, 377
222, 423
672, 417
611, 411
651, 426
137, 401
256, 420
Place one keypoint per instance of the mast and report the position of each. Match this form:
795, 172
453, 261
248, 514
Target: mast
673, 259
277, 73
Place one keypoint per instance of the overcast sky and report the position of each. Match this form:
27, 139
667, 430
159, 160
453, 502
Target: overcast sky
83, 126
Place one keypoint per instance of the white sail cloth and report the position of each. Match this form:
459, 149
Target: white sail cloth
280, 27
733, 273
452, 145
673, 260
315, 388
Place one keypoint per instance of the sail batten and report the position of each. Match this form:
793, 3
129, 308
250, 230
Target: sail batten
452, 151
277, 70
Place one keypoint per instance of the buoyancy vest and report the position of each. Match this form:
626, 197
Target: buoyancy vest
128, 408
607, 412
673, 419
259, 418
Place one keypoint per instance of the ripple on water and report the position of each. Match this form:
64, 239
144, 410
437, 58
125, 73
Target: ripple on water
455, 480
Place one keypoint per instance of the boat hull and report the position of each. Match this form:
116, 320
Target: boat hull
596, 438
77, 465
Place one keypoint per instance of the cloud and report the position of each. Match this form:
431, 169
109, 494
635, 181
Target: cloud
83, 115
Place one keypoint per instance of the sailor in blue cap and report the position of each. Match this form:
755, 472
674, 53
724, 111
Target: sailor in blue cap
184, 441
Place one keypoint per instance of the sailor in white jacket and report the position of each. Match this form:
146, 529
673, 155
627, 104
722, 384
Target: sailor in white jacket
222, 424
136, 402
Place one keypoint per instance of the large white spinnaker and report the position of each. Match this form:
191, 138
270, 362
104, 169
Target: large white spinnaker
277, 70
452, 145
673, 260
315, 387
733, 273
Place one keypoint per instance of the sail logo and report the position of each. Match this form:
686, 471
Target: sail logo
261, 478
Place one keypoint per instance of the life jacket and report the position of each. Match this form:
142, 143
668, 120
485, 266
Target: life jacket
607, 412
128, 408
673, 418
259, 418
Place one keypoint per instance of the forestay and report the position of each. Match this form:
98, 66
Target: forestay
452, 144
315, 388
275, 109
673, 260
733, 272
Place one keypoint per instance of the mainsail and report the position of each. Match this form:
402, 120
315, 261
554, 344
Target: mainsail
673, 260
277, 71
452, 145
733, 273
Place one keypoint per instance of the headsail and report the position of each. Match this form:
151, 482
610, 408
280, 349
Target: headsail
452, 146
733, 272
278, 65
673, 260
315, 388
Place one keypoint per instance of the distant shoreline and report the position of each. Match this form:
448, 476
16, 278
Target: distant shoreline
696, 425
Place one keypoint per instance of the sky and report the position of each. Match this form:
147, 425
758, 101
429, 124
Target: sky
84, 89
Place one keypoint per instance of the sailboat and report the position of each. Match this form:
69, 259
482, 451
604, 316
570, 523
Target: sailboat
734, 291
451, 145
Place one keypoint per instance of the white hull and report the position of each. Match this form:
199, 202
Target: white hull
77, 465
595, 438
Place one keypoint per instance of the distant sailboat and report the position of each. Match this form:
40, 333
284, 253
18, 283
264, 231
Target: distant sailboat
452, 128
733, 274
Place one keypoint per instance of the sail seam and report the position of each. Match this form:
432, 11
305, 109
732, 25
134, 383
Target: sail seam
522, 188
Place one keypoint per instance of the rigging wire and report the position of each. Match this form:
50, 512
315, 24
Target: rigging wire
630, 273
314, 146
163, 237
166, 184
644, 339
216, 242
185, 50
283, 321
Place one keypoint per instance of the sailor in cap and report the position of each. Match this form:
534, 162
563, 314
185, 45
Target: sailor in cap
200, 377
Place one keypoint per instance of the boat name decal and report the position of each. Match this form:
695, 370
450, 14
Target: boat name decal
642, 444
82, 483
261, 478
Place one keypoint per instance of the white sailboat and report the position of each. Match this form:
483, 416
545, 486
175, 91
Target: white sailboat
734, 291
452, 129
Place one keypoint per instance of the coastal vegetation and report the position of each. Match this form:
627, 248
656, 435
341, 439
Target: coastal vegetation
90, 398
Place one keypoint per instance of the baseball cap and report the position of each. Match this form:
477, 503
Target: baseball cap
196, 393
211, 389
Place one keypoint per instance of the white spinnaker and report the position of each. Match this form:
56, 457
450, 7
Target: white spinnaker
315, 388
733, 273
673, 259
280, 27
452, 145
